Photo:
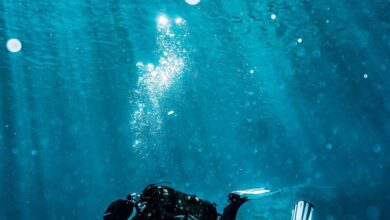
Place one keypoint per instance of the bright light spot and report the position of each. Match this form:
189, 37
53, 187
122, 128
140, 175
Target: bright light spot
376, 148
163, 21
273, 16
251, 71
34, 152
171, 112
179, 20
14, 45
365, 75
299, 40
329, 146
327, 21
192, 2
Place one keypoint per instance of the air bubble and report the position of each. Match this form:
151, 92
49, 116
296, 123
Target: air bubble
373, 212
376, 148
179, 20
163, 21
139, 64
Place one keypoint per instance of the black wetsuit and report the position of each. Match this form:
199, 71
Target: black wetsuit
161, 202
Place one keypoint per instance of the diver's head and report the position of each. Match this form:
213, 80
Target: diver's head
119, 210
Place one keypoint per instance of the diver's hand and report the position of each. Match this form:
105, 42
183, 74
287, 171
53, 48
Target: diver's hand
118, 210
237, 199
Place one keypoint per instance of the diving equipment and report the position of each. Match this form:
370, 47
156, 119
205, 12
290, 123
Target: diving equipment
258, 193
303, 210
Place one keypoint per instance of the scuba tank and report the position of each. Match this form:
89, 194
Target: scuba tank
162, 202
303, 210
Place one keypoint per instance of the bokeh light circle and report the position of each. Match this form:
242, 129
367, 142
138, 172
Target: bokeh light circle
192, 2
14, 45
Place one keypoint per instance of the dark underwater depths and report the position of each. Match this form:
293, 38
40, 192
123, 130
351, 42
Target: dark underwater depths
306, 119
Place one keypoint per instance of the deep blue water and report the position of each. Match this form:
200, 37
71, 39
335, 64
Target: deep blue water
105, 97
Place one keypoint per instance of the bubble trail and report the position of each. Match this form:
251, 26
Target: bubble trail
156, 80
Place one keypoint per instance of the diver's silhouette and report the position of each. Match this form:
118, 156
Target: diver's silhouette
159, 202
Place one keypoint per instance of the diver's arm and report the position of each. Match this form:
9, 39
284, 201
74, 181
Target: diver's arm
118, 210
230, 211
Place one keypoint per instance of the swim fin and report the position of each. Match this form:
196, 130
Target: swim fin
303, 210
258, 193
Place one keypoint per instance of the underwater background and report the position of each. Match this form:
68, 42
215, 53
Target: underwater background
101, 98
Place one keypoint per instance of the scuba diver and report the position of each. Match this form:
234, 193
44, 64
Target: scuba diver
161, 202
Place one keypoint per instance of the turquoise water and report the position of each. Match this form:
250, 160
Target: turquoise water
105, 97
